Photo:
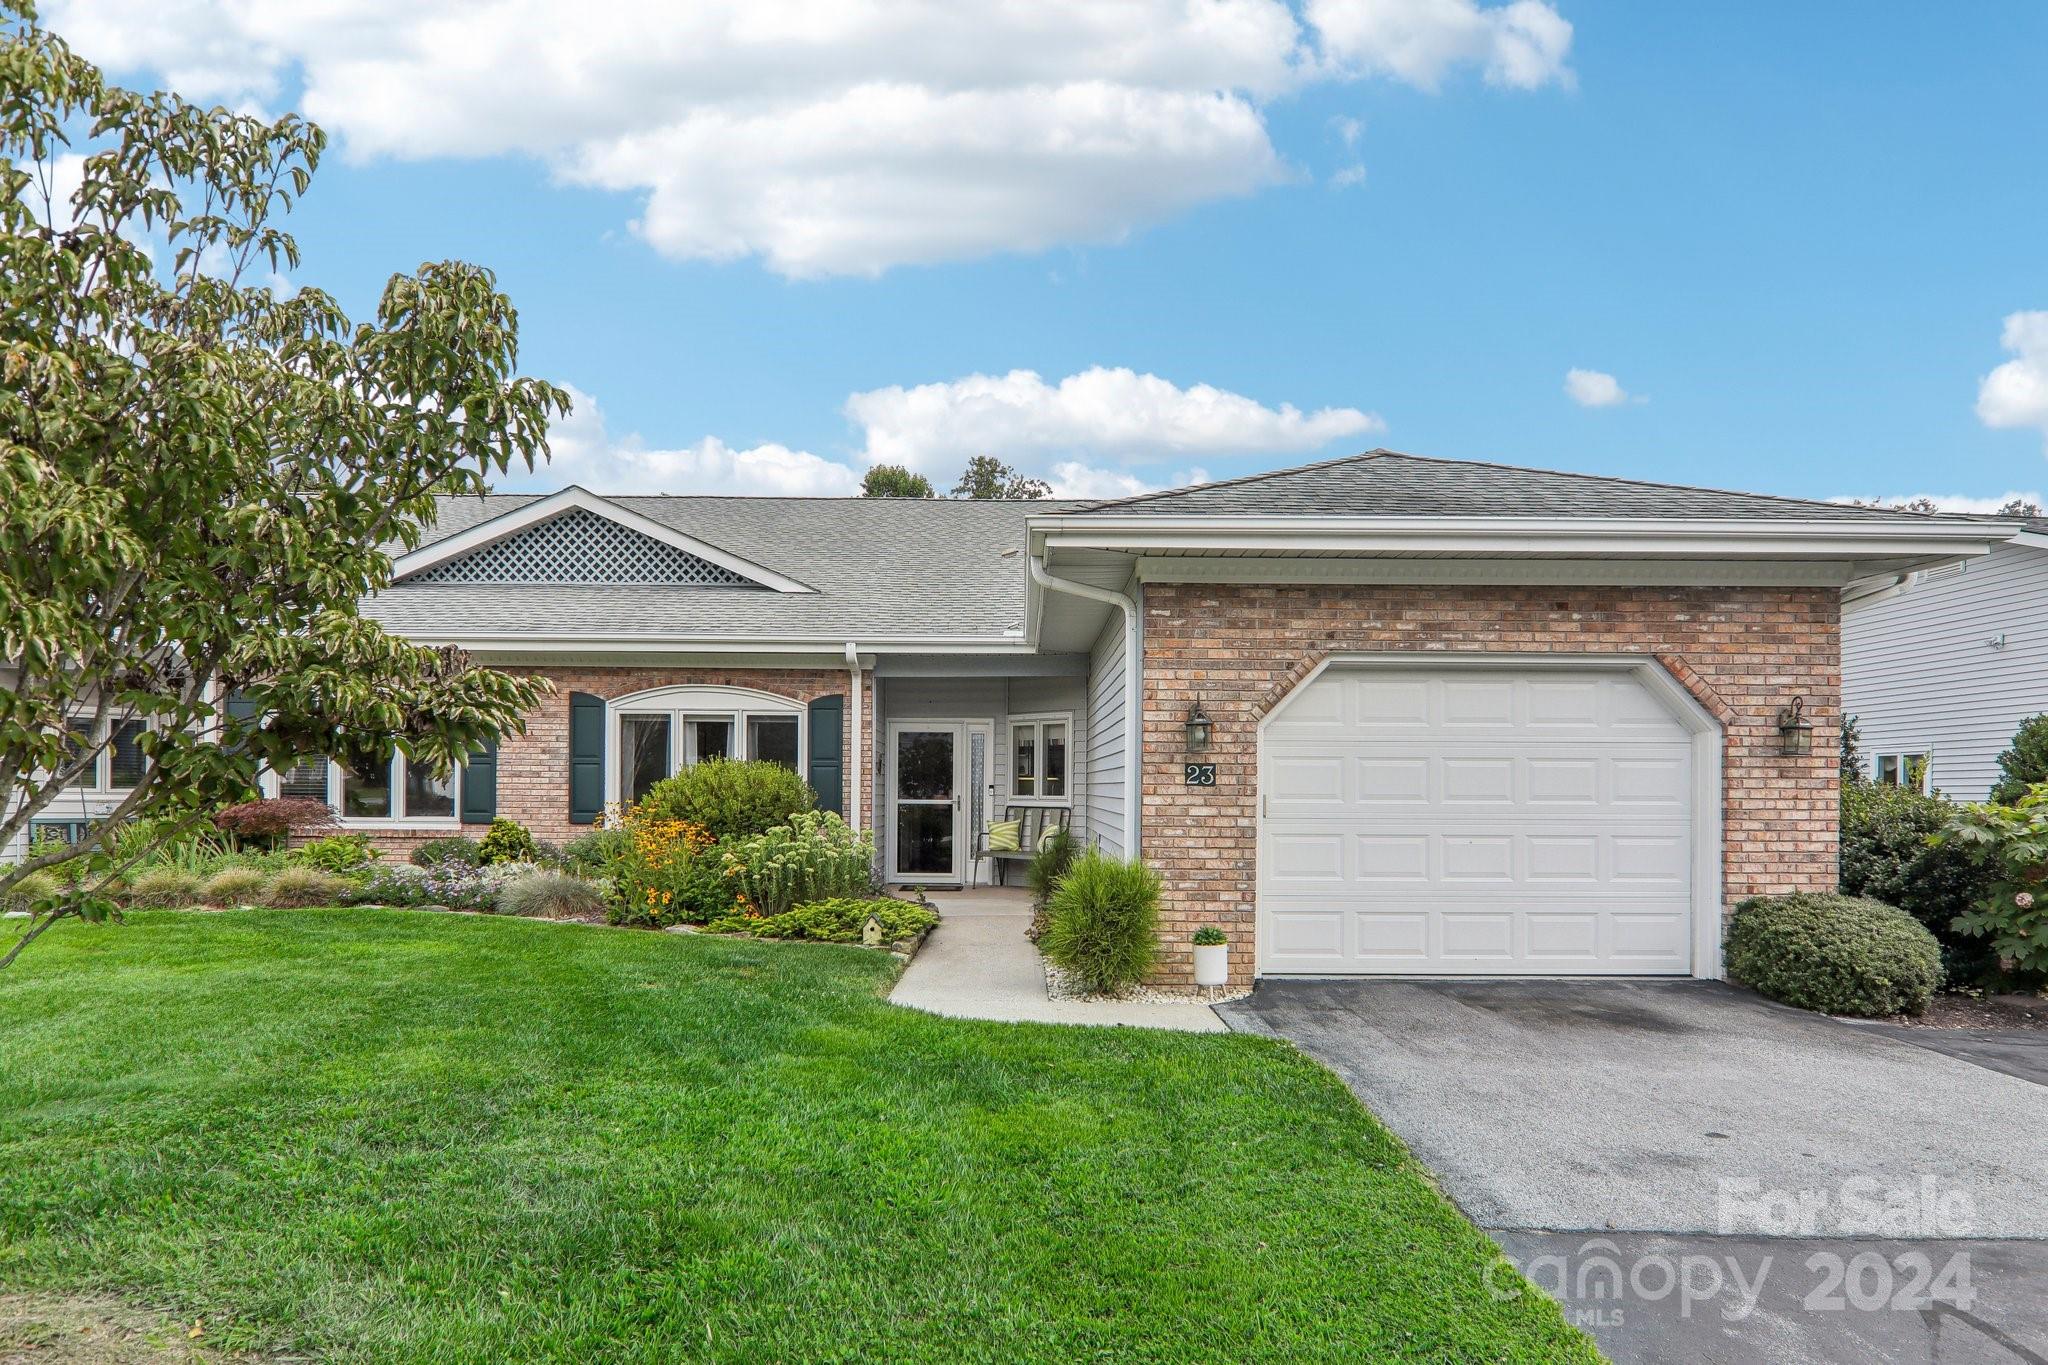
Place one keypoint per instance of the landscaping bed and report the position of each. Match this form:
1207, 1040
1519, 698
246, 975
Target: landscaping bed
366, 1136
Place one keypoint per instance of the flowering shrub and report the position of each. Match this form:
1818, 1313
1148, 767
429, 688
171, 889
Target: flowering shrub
816, 856
667, 871
455, 885
2011, 842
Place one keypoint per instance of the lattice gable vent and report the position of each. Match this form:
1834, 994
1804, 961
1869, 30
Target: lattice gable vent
582, 547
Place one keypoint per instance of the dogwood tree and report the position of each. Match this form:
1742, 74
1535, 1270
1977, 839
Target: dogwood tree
203, 472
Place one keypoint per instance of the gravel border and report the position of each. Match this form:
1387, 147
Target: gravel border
1059, 985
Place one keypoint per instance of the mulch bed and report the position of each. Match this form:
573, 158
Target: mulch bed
1992, 1011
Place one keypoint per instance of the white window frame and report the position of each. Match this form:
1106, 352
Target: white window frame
396, 774
1902, 764
273, 784
1036, 721
102, 783
684, 705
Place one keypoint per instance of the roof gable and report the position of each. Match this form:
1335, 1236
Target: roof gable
582, 547
577, 537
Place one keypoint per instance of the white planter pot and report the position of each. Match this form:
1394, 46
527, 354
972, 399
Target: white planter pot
1212, 964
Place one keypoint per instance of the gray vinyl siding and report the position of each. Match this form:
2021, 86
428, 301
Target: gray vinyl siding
1920, 675
1106, 747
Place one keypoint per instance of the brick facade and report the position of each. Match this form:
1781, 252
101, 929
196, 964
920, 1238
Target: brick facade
533, 768
1743, 652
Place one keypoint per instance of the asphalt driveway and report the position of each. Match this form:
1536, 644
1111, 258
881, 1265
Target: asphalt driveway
1694, 1131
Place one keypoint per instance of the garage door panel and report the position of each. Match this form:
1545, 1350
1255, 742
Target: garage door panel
1497, 823
1392, 858
1307, 857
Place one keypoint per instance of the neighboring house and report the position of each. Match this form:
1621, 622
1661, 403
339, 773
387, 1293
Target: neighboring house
1940, 669
1383, 714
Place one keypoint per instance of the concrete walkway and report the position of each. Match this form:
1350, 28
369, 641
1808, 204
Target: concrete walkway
978, 965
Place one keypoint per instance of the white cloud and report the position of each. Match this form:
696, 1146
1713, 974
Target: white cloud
827, 138
2016, 393
585, 452
1521, 45
1348, 177
1596, 389
1102, 433
1130, 417
1073, 479
1348, 129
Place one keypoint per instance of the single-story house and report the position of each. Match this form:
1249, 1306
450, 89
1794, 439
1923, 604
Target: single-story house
1939, 668
1383, 714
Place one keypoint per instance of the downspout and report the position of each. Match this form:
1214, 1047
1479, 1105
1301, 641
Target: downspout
1133, 702
852, 760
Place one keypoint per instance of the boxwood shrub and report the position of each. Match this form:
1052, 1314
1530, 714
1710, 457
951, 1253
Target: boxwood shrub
1836, 954
730, 799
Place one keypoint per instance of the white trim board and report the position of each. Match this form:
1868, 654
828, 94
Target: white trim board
534, 513
1562, 572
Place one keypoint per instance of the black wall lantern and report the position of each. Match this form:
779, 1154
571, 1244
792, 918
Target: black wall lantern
1795, 731
1200, 728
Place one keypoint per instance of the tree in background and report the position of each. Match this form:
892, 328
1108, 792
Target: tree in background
2025, 763
987, 478
199, 477
2020, 507
894, 481
1852, 751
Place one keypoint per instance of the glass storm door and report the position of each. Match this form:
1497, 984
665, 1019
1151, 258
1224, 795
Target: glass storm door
926, 760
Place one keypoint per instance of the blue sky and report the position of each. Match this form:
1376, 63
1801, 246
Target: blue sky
1791, 234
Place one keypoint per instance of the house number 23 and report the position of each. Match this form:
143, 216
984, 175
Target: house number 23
1201, 774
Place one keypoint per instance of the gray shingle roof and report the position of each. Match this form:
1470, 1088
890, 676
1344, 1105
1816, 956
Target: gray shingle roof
880, 566
1387, 483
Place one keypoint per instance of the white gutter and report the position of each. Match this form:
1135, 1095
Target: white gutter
1698, 538
1134, 711
738, 644
853, 759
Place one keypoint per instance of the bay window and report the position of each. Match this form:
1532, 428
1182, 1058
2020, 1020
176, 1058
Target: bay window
1038, 757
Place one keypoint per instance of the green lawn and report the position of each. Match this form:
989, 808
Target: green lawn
395, 1136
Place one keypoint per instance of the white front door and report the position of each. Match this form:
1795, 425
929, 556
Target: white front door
1475, 821
925, 796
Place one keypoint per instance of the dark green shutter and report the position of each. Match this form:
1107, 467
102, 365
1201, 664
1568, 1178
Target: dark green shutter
827, 771
480, 786
586, 758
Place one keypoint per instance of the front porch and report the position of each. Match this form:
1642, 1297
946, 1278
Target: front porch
957, 752
979, 965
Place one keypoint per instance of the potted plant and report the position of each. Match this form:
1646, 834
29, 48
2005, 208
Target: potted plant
1212, 956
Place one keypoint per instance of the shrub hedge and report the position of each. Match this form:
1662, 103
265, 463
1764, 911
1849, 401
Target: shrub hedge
1102, 922
1836, 954
1887, 856
729, 799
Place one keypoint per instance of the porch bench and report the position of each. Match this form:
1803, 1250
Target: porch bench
1034, 822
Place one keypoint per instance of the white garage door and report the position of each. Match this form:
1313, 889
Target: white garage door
1467, 822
